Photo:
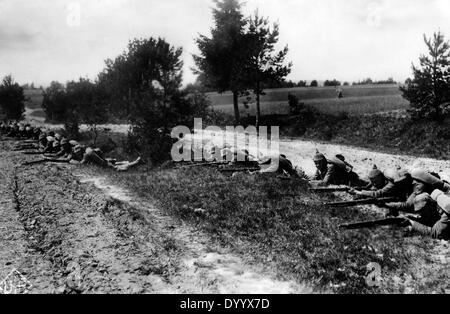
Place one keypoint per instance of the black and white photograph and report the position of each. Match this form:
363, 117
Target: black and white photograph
221, 153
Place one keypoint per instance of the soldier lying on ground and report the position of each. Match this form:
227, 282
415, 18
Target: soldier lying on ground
238, 157
52, 146
95, 156
284, 167
335, 171
13, 130
391, 183
432, 215
423, 185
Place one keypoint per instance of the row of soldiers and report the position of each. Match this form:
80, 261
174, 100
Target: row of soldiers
423, 197
54, 145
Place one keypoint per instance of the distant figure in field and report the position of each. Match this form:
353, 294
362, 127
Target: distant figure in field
340, 93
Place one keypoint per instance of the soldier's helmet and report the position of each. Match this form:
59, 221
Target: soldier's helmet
422, 201
376, 175
397, 176
319, 157
442, 199
425, 177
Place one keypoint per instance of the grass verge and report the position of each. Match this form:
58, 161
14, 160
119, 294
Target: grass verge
296, 235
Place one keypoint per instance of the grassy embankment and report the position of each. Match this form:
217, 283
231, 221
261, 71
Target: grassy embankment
298, 236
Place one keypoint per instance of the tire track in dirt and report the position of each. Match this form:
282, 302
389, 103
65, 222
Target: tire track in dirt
94, 245
203, 266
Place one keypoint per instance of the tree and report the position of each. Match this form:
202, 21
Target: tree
331, 83
134, 72
12, 99
221, 57
314, 83
78, 102
429, 91
263, 62
54, 102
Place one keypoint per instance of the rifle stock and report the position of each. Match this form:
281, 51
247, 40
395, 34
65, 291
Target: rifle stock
367, 201
373, 223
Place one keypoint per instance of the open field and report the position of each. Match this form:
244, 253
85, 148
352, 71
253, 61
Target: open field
357, 100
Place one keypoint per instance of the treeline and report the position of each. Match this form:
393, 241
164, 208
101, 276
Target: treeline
141, 86
12, 99
369, 81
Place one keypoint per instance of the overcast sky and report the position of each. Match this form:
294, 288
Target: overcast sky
45, 40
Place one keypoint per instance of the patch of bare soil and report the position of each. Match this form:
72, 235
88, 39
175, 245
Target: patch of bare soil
204, 267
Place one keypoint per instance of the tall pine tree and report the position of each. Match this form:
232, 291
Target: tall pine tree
263, 62
221, 58
429, 91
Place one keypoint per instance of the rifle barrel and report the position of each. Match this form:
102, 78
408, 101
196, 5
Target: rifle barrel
238, 169
44, 161
367, 201
325, 190
373, 223
33, 153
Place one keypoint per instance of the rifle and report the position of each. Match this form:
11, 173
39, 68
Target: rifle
374, 223
238, 169
205, 164
367, 201
33, 153
330, 189
41, 161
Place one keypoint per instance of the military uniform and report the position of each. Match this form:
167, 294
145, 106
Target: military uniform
284, 167
396, 183
427, 189
335, 171
435, 219
94, 156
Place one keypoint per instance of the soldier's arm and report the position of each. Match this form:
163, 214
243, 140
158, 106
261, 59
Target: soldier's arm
407, 207
329, 176
387, 191
315, 176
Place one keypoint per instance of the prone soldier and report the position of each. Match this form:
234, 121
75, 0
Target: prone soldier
391, 183
335, 171
423, 183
